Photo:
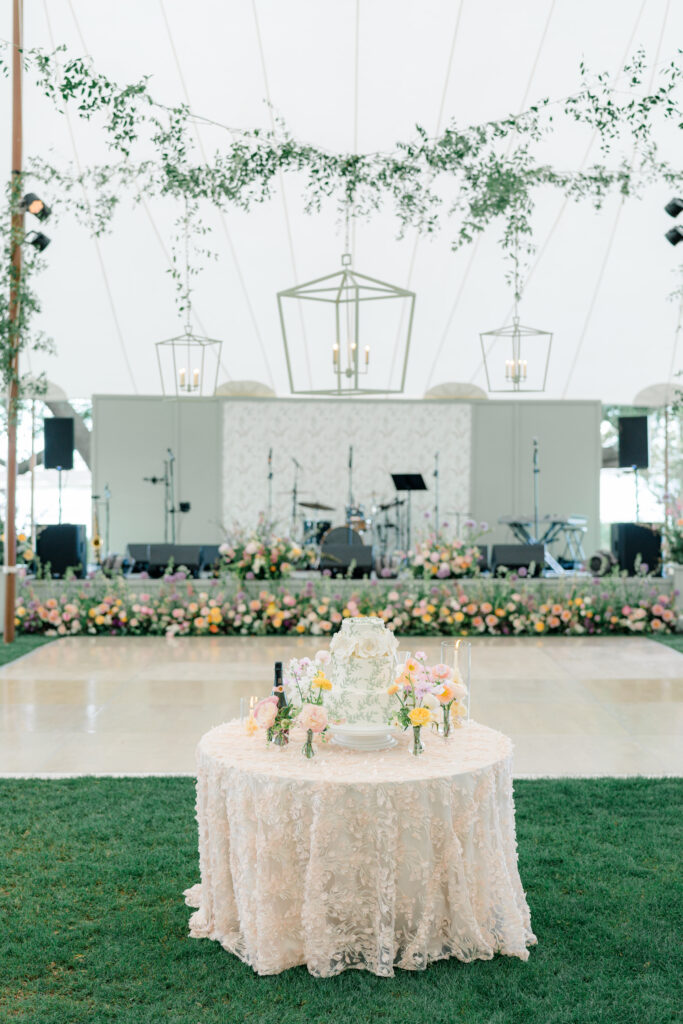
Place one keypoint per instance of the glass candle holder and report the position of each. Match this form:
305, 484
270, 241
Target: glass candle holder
457, 654
247, 705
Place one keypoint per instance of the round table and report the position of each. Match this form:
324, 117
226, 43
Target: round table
355, 859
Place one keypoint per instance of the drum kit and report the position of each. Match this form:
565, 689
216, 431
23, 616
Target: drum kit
378, 524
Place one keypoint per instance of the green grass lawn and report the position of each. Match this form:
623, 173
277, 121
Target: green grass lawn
21, 645
94, 928
674, 640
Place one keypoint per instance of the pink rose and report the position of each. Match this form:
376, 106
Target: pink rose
265, 712
313, 717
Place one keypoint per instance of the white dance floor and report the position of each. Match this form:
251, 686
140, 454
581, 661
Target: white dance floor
573, 706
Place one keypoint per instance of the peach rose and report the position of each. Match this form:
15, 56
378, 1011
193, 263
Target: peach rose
313, 717
265, 712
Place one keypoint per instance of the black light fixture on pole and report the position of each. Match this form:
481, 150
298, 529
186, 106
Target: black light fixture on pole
31, 203
673, 208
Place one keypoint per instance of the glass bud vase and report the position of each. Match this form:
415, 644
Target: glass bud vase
446, 727
417, 746
308, 749
280, 737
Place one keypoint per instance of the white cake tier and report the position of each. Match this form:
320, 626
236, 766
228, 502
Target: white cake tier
362, 669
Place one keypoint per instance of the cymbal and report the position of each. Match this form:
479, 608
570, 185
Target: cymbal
317, 505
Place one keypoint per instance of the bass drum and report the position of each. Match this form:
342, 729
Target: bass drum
341, 535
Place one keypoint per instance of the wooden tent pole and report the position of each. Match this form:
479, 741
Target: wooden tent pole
14, 340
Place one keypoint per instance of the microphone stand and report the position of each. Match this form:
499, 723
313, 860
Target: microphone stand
536, 475
349, 509
436, 493
107, 499
169, 489
295, 493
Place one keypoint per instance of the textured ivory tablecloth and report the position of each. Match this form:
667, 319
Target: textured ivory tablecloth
365, 860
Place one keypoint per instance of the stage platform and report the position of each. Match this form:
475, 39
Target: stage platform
476, 588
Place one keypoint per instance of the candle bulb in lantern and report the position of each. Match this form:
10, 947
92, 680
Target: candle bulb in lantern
195, 378
182, 377
335, 355
367, 354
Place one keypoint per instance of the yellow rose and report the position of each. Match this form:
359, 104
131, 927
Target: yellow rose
21, 538
420, 716
28, 555
539, 627
99, 620
459, 616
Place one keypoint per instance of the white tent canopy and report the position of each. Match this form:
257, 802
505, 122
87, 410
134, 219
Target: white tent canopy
600, 280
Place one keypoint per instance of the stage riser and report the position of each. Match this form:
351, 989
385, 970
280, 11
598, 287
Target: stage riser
631, 588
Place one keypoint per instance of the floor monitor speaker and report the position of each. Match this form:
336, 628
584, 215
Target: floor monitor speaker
139, 556
159, 557
518, 556
339, 558
189, 556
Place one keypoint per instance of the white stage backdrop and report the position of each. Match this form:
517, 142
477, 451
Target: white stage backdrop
386, 436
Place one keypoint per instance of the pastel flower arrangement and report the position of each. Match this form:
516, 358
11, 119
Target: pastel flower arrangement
262, 555
427, 695
304, 684
441, 558
179, 606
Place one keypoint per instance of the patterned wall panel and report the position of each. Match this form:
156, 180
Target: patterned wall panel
386, 436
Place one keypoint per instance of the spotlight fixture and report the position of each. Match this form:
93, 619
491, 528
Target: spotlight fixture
675, 235
35, 205
674, 207
37, 239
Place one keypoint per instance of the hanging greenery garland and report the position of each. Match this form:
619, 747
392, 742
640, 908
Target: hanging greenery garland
471, 175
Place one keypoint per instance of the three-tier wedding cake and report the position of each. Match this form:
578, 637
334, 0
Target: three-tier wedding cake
363, 666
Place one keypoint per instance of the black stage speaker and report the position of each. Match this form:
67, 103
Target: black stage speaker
159, 557
62, 547
632, 539
633, 442
59, 442
209, 557
518, 556
188, 555
139, 556
337, 558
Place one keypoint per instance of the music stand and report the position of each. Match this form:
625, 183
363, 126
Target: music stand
408, 482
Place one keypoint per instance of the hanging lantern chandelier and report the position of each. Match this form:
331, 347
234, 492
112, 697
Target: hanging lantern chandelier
188, 363
516, 357
354, 319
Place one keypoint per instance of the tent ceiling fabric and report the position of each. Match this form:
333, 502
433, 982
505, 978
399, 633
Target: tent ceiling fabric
403, 56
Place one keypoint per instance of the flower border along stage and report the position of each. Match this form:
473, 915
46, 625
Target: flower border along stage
179, 606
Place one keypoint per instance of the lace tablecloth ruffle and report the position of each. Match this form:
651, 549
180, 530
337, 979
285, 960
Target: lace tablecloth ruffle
358, 860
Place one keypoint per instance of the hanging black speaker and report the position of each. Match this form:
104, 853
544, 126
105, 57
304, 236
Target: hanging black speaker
633, 442
59, 442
